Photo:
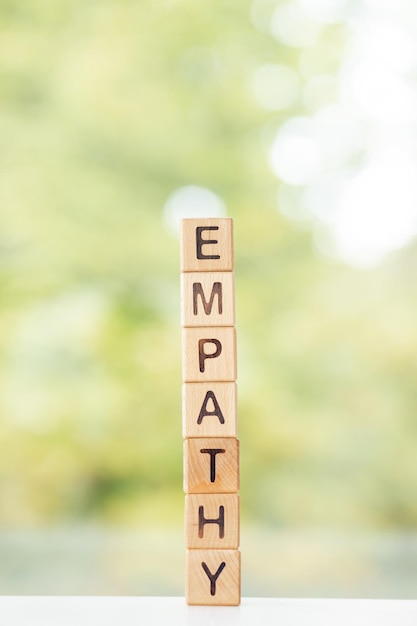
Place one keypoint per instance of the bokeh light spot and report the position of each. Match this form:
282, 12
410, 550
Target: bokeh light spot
192, 201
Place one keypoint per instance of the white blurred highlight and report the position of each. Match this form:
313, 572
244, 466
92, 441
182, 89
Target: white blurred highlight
354, 159
191, 201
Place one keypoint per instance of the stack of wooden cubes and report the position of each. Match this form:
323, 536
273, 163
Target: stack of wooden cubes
211, 447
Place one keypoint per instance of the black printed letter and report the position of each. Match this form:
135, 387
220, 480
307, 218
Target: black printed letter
213, 577
202, 356
216, 291
202, 521
212, 452
217, 410
201, 242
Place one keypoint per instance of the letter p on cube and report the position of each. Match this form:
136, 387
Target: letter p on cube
209, 356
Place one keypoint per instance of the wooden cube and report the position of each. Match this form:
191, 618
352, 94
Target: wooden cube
207, 245
207, 299
212, 521
209, 354
212, 577
211, 465
209, 409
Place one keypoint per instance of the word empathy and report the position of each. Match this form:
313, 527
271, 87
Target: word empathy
211, 447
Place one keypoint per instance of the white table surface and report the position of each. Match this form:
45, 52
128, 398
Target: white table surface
172, 611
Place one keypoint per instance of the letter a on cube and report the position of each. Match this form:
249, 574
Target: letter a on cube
209, 409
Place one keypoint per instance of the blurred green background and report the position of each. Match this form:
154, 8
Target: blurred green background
117, 118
